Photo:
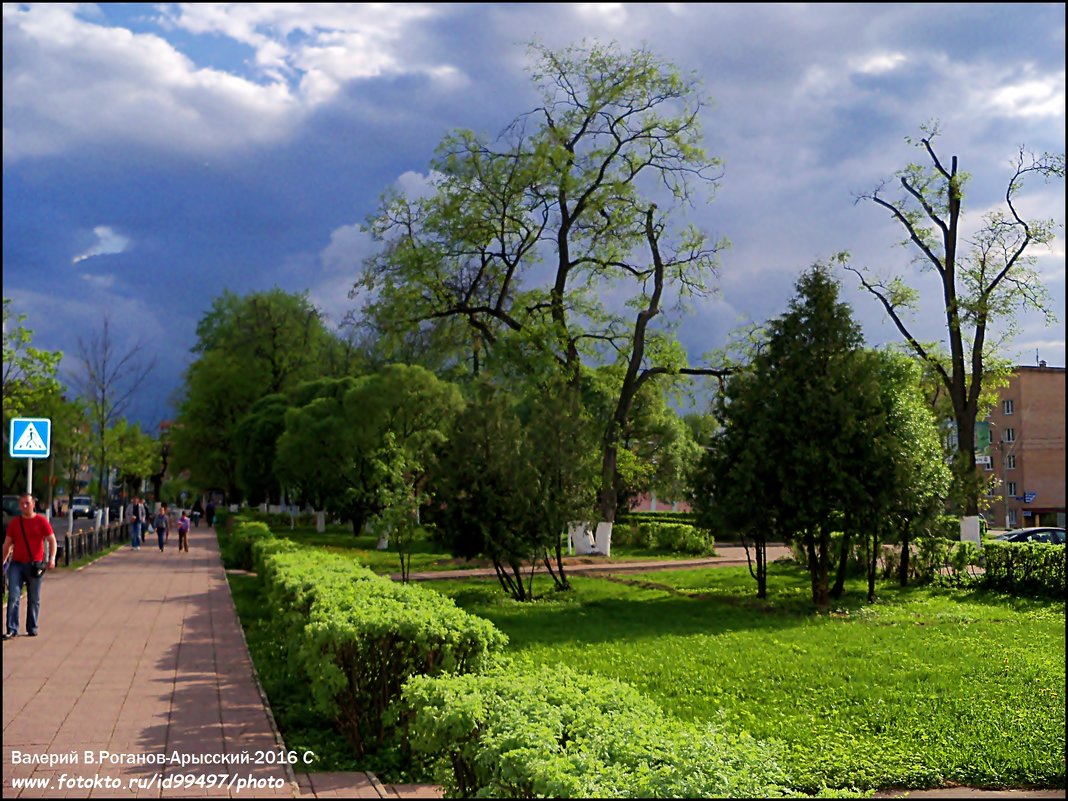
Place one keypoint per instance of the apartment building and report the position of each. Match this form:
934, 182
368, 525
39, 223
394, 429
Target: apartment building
1027, 450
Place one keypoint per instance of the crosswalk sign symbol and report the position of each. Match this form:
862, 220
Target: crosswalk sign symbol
30, 437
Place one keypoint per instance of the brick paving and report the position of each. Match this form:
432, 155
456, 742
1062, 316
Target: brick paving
141, 654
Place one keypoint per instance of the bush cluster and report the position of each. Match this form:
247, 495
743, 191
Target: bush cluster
668, 537
1026, 568
553, 733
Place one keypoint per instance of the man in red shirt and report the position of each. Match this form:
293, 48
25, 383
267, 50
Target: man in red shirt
24, 542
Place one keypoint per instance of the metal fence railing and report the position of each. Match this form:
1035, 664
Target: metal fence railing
94, 540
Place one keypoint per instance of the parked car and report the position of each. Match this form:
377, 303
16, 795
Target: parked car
11, 509
1050, 534
82, 506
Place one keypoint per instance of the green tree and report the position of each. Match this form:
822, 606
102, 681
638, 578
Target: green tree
559, 440
984, 281
255, 444
826, 404
29, 372
736, 479
218, 394
336, 448
486, 491
30, 387
247, 347
134, 454
573, 187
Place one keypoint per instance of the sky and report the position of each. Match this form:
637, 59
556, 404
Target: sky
155, 155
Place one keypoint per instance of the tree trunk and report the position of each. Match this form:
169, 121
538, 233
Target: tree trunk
903, 565
872, 562
843, 565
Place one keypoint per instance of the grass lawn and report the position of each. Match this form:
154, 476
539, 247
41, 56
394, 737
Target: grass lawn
926, 687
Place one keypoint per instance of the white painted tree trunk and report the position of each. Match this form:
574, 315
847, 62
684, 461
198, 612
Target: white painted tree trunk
602, 540
320, 522
578, 533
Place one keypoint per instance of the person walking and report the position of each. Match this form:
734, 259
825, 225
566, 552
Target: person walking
209, 512
183, 532
138, 516
162, 524
24, 542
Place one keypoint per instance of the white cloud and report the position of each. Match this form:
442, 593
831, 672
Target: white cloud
108, 242
68, 80
348, 247
878, 63
1039, 97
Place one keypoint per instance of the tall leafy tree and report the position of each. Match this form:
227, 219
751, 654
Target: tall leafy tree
736, 479
820, 399
247, 347
907, 483
255, 443
135, 455
486, 490
521, 237
983, 280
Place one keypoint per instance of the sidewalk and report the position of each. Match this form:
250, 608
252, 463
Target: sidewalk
141, 656
726, 556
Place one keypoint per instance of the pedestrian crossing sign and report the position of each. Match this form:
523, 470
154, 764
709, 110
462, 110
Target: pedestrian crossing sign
30, 437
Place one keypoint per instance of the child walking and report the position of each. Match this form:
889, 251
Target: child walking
183, 531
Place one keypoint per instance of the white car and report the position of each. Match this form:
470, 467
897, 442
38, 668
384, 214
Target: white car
82, 506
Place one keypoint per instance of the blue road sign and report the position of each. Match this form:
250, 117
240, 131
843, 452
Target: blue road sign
31, 437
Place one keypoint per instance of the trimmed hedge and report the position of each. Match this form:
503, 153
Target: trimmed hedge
554, 733
239, 553
1026, 568
357, 637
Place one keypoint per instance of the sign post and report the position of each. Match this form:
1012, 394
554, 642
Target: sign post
30, 438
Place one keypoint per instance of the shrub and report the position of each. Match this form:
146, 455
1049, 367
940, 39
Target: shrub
667, 537
558, 734
357, 637
239, 553
1026, 568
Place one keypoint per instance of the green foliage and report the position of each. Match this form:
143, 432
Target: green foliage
358, 637
248, 347
136, 455
242, 538
341, 449
1026, 568
29, 372
554, 733
666, 536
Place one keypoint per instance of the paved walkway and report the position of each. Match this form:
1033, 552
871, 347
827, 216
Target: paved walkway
141, 656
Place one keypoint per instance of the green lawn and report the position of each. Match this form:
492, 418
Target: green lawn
924, 688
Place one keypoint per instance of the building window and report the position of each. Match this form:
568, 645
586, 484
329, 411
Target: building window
1012, 488
1010, 435
1010, 461
1007, 407
1012, 517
